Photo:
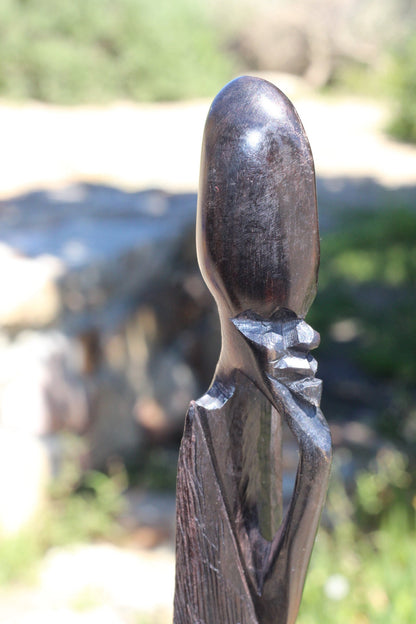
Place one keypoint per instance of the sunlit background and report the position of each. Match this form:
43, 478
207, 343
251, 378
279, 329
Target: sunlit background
107, 330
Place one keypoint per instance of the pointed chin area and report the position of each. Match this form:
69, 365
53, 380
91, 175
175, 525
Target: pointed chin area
257, 225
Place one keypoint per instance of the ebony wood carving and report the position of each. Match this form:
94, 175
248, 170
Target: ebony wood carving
237, 561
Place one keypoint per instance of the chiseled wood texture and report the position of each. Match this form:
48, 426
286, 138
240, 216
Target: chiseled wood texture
237, 561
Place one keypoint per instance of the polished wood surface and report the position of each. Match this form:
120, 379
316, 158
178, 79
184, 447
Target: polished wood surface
238, 562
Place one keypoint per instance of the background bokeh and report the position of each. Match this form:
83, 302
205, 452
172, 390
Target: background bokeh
107, 330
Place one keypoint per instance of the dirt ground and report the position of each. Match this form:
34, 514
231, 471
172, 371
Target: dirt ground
158, 146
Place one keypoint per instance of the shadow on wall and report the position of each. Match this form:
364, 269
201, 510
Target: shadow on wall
113, 274
107, 329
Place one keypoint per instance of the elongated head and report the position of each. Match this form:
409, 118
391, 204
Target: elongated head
257, 225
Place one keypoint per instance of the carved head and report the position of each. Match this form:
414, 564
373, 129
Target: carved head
257, 225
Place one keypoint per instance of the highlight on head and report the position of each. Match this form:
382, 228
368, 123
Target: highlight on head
257, 226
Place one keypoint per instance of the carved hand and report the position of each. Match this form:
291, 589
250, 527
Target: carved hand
281, 346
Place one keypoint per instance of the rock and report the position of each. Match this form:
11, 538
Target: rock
29, 289
88, 276
113, 430
96, 248
164, 400
41, 390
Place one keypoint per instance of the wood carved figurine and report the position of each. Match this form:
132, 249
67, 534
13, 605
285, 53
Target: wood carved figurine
237, 561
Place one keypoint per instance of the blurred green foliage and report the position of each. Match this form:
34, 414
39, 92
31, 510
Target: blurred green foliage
96, 50
368, 277
82, 507
79, 510
157, 470
402, 87
363, 570
154, 618
19, 555
393, 79
88, 513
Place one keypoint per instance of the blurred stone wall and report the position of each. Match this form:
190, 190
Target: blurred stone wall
107, 332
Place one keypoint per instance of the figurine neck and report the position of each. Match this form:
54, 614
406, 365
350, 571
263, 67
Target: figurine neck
236, 355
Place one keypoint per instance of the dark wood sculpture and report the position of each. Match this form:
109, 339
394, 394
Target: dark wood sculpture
258, 250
